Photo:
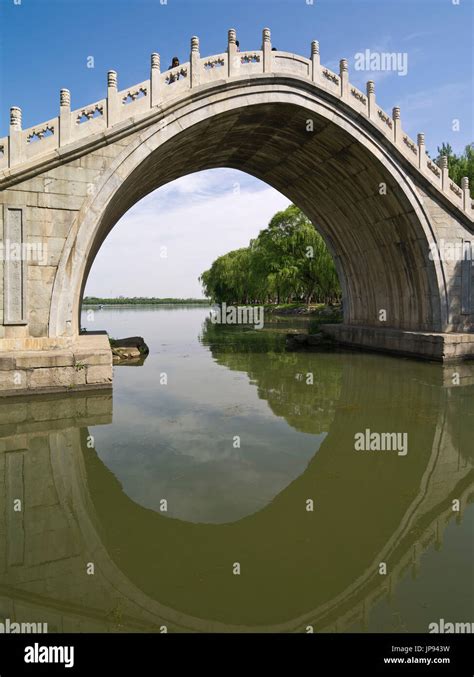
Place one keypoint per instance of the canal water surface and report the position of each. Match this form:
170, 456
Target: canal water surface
220, 488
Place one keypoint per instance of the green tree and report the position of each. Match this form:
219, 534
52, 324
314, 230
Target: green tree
288, 261
459, 165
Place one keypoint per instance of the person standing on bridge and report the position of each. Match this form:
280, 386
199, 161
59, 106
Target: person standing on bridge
174, 64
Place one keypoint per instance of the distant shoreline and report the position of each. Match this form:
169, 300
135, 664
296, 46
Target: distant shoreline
94, 301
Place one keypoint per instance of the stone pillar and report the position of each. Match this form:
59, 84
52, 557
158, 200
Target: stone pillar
444, 172
232, 54
421, 151
15, 151
64, 117
267, 50
397, 125
344, 76
467, 200
371, 100
316, 61
113, 103
14, 269
195, 60
155, 80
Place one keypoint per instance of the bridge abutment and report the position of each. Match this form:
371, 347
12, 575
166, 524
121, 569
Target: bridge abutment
436, 346
42, 365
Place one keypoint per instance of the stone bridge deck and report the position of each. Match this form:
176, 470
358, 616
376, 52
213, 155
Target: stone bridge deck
70, 134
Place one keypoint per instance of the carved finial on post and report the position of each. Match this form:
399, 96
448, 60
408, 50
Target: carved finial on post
113, 103
371, 99
315, 61
466, 195
397, 125
155, 67
344, 76
443, 163
421, 151
64, 117
267, 50
15, 118
233, 60
65, 98
112, 80
16, 149
195, 60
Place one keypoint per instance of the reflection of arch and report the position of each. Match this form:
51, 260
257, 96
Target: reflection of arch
251, 126
361, 483
440, 475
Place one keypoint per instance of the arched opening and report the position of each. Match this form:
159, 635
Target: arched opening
358, 197
169, 238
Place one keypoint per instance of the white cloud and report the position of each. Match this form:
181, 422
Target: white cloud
196, 218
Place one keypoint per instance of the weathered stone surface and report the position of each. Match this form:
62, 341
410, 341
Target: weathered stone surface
130, 349
7, 363
13, 380
34, 360
99, 374
441, 347
56, 376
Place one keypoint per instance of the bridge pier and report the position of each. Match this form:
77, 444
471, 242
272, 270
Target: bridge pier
437, 346
38, 365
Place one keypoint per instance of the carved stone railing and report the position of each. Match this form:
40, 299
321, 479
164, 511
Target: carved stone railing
71, 126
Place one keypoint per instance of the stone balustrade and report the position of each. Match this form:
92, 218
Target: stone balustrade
138, 101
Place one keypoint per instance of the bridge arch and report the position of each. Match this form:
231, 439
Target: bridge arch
380, 202
315, 150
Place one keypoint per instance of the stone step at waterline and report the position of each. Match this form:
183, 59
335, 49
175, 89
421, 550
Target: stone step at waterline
86, 364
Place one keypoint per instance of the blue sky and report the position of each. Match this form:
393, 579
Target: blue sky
46, 44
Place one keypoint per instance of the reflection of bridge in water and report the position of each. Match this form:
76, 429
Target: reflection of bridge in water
152, 570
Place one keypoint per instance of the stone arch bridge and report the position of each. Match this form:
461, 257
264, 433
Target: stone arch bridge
385, 209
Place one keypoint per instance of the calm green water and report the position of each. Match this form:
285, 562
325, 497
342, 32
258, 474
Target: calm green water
137, 508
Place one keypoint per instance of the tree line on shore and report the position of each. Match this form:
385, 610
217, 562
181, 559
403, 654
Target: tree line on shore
288, 262
138, 301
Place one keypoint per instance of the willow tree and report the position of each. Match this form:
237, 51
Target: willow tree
288, 261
